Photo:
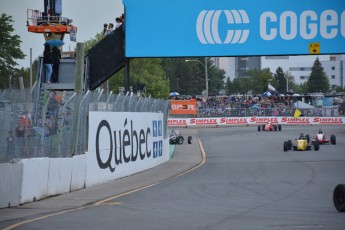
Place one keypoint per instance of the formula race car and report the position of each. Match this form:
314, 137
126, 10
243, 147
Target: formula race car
301, 144
269, 127
322, 138
175, 137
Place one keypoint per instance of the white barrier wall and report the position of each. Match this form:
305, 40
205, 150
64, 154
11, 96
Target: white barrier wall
226, 121
10, 184
34, 179
78, 172
60, 174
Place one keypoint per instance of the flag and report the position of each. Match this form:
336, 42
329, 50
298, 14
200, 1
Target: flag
271, 88
297, 113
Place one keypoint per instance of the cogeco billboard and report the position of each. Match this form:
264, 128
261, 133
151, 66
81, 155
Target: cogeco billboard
162, 28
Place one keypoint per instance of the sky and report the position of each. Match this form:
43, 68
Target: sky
87, 16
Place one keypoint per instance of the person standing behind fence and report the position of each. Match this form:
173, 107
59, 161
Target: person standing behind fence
47, 61
110, 29
56, 56
105, 27
10, 145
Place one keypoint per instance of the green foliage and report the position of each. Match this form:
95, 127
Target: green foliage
90, 43
281, 80
148, 71
229, 86
9, 50
318, 81
338, 88
186, 78
189, 77
302, 88
216, 79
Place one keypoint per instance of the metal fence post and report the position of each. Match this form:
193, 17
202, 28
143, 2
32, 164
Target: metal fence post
78, 124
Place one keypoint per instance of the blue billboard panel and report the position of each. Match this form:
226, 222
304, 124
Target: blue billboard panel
180, 28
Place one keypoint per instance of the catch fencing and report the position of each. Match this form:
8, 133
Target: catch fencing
55, 123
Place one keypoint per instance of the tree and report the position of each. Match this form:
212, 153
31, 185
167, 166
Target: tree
186, 78
228, 86
318, 81
9, 50
281, 80
260, 79
216, 78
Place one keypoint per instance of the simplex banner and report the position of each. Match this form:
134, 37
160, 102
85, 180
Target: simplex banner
225, 121
181, 28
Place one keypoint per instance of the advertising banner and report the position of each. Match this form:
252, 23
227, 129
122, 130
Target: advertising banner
226, 121
180, 28
183, 107
124, 143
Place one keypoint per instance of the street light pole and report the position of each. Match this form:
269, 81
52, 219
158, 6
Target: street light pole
206, 72
206, 77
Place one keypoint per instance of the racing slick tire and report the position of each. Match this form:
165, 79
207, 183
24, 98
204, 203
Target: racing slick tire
280, 127
259, 128
339, 197
263, 127
275, 128
289, 144
333, 140
316, 145
189, 139
286, 146
180, 140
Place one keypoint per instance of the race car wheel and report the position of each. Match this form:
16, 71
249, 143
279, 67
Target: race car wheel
180, 140
316, 145
289, 144
339, 197
275, 128
259, 128
189, 139
280, 127
286, 146
263, 128
333, 140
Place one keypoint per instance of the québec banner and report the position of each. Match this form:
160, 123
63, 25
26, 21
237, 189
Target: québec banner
185, 28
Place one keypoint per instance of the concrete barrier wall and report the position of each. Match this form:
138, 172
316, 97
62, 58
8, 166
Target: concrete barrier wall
34, 179
10, 184
78, 172
60, 174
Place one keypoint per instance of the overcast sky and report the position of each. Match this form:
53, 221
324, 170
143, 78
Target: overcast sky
87, 16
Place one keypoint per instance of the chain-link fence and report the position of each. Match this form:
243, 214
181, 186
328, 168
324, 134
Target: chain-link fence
56, 125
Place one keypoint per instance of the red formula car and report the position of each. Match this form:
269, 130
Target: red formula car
270, 127
322, 138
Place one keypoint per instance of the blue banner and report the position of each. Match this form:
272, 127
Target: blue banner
181, 28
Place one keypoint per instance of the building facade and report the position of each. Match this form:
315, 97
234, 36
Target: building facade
299, 67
